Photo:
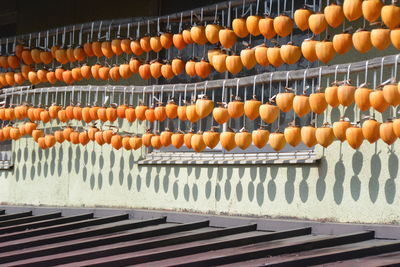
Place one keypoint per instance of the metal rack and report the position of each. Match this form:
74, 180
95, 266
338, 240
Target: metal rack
279, 76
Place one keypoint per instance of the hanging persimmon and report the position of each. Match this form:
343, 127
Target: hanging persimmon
96, 48
166, 40
301, 17
155, 44
377, 100
13, 61
140, 112
221, 113
79, 53
395, 37
177, 40
371, 9
76, 74
340, 127
391, 94
136, 48
290, 53
165, 137
318, 102
146, 138
334, 15
362, 40
41, 142
252, 108
269, 112
317, 23
301, 105
352, 9
166, 71
197, 142
252, 24
248, 57
104, 73
386, 132
342, 42
178, 65
277, 141
116, 141
130, 114
243, 139
108, 135
308, 135
45, 116
325, 51
144, 71
285, 100
11, 81
190, 68
160, 112
331, 95
390, 15
150, 115
212, 33
135, 142
98, 136
26, 58
121, 109
86, 114
58, 135
83, 138
345, 94
126, 46
260, 137
204, 106
145, 43
227, 139
87, 47
380, 38
33, 78
274, 56
125, 71
396, 127
354, 136
292, 135
234, 64
361, 97
126, 142
187, 37
35, 52
66, 132
198, 34
203, 68
308, 47
25, 69
283, 25
177, 139
260, 54
266, 26
212, 52
134, 65
187, 138
370, 130
219, 62
236, 108
155, 69
191, 113
239, 27
94, 70
211, 138
324, 135
171, 109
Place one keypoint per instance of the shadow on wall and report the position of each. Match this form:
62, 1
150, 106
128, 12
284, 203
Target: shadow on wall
220, 183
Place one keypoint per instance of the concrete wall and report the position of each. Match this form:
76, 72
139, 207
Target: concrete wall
345, 185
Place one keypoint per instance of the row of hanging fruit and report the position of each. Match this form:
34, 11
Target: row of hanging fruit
282, 25
371, 130
339, 93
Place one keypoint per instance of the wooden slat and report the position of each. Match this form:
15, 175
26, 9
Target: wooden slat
4, 225
13, 216
98, 230
168, 239
262, 250
180, 250
62, 227
41, 222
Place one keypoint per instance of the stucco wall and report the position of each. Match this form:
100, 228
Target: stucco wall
345, 185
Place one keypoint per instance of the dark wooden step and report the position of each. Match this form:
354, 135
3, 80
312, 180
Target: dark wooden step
176, 236
176, 251
10, 225
13, 216
97, 230
255, 251
62, 227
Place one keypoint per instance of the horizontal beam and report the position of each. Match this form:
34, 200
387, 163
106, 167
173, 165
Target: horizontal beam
279, 76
